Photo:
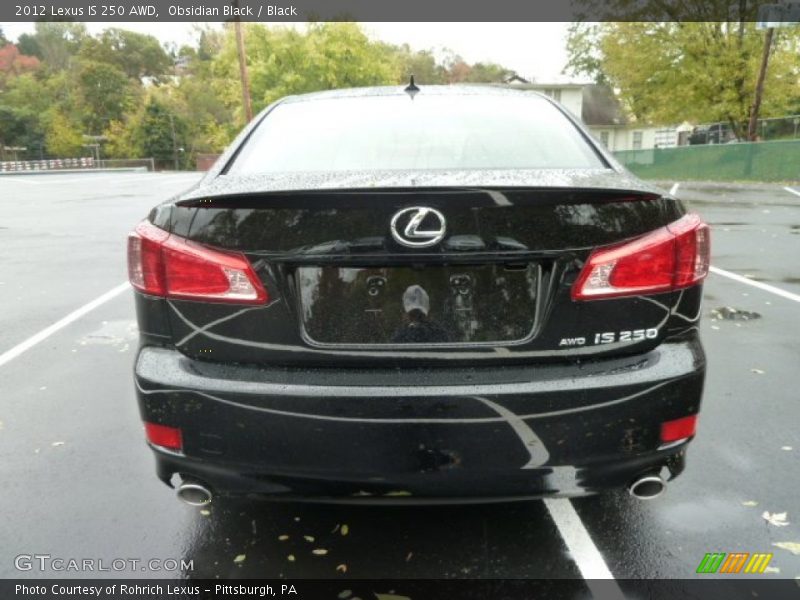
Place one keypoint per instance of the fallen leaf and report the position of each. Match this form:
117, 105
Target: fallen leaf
777, 519
290, 558
308, 538
757, 371
786, 448
283, 537
750, 503
342, 568
56, 444
239, 558
319, 551
344, 594
205, 513
793, 547
345, 529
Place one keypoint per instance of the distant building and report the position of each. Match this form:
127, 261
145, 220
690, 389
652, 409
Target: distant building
600, 110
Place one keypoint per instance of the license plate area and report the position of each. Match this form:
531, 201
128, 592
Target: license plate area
426, 305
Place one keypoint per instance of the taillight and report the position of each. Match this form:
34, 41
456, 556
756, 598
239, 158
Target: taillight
167, 265
670, 258
164, 436
679, 429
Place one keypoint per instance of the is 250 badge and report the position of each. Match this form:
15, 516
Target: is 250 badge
610, 337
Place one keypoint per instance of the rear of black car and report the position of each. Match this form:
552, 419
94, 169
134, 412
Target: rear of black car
452, 295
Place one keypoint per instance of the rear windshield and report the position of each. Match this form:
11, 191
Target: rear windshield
426, 132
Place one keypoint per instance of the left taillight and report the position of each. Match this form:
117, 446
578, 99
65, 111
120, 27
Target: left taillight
670, 258
161, 264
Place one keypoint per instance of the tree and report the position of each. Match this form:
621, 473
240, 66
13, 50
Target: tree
668, 72
28, 45
3, 38
161, 132
13, 63
63, 137
106, 94
56, 43
135, 54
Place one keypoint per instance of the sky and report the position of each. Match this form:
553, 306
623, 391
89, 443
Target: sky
534, 50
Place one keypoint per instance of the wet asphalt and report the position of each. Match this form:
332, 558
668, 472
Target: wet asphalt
78, 481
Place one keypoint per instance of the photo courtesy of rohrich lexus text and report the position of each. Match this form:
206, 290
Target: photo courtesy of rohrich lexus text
344, 301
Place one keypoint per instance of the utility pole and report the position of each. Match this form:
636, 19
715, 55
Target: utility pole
762, 73
248, 107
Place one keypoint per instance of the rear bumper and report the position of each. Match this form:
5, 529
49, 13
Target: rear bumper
421, 435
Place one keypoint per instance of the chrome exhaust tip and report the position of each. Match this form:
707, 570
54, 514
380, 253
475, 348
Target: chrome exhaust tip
647, 487
194, 494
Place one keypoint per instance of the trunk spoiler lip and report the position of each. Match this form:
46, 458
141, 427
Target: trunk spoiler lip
550, 195
421, 181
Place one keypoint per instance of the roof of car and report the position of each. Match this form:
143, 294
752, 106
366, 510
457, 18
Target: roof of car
400, 90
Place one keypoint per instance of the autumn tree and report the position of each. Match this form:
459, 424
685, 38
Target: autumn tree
13, 63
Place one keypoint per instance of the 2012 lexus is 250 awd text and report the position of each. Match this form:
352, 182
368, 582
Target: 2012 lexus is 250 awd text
420, 294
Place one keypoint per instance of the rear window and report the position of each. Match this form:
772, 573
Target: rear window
426, 132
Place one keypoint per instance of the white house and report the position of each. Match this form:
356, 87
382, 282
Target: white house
598, 107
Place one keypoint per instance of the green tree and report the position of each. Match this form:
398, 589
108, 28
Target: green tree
668, 72
63, 137
161, 133
106, 94
135, 54
28, 45
56, 43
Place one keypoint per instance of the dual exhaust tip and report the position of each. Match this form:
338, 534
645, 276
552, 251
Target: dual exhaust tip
647, 487
194, 493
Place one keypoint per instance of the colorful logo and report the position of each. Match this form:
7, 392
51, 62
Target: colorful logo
734, 562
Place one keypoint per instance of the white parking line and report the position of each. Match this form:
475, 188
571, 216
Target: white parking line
10, 355
792, 191
585, 554
674, 189
762, 286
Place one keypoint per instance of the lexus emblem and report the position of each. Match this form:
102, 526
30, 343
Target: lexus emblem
418, 227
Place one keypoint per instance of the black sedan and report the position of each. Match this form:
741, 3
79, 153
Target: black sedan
421, 294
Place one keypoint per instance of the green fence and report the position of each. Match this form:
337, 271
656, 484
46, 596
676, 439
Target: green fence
757, 161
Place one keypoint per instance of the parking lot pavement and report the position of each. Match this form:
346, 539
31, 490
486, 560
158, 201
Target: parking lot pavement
79, 480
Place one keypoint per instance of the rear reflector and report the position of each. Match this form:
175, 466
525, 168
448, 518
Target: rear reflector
679, 429
670, 258
167, 265
161, 435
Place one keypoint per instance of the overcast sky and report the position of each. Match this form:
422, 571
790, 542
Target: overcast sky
534, 50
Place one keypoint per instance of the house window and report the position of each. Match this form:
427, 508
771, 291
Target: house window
554, 94
604, 138
637, 140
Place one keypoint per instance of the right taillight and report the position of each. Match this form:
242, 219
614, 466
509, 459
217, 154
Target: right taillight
670, 258
161, 264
